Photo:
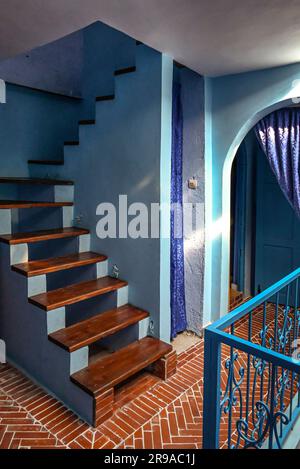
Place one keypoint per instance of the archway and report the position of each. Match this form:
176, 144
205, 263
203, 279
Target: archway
226, 194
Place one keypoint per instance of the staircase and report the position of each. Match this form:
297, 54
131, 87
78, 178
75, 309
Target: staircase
45, 337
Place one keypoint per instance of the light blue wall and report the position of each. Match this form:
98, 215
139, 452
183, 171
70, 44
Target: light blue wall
238, 102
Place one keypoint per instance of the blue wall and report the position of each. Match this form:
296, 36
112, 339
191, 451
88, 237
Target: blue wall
81, 64
237, 103
126, 152
121, 155
192, 94
34, 125
104, 50
55, 67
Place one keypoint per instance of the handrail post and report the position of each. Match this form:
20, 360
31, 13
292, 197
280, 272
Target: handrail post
212, 390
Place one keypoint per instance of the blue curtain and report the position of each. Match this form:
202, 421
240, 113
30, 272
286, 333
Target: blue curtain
279, 136
178, 310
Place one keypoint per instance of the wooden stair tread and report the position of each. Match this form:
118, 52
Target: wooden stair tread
120, 365
8, 204
96, 328
38, 181
55, 264
123, 71
108, 97
44, 235
75, 293
47, 162
71, 143
87, 122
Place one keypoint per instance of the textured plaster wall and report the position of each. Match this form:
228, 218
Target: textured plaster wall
80, 64
193, 166
55, 67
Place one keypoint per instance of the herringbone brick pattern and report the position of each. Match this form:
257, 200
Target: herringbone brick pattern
164, 415
29, 418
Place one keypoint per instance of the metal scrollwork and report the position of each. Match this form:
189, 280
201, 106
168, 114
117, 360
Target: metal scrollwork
232, 395
284, 333
255, 437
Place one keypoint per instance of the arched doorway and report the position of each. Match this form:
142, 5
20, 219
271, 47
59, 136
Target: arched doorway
265, 229
226, 200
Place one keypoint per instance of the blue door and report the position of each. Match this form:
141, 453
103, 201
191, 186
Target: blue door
277, 229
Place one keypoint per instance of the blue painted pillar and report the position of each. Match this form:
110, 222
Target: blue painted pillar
165, 197
212, 391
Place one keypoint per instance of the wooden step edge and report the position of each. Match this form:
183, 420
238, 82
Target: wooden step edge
87, 122
166, 349
59, 339
11, 204
35, 181
47, 162
123, 71
24, 268
109, 97
71, 143
44, 235
41, 300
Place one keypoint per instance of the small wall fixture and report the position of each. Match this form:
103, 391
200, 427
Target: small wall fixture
193, 183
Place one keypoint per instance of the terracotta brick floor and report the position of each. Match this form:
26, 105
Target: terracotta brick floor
164, 415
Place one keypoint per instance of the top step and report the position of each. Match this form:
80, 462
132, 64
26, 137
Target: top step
37, 181
115, 368
9, 204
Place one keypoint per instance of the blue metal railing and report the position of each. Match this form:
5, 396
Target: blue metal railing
252, 371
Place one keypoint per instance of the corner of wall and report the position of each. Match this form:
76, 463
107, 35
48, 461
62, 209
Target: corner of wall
2, 92
207, 313
165, 196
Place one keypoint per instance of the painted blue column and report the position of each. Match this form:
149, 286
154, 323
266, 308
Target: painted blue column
211, 402
165, 197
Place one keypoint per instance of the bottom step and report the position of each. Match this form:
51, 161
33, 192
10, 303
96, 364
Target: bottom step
100, 378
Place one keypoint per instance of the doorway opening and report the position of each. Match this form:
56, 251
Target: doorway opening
264, 231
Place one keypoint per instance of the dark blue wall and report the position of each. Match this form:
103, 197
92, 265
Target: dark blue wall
104, 50
81, 64
34, 125
56, 67
121, 155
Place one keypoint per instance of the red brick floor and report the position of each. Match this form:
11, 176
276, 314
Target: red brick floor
164, 415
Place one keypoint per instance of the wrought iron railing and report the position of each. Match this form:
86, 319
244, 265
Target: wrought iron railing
252, 371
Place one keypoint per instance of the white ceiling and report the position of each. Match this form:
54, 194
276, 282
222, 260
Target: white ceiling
213, 37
